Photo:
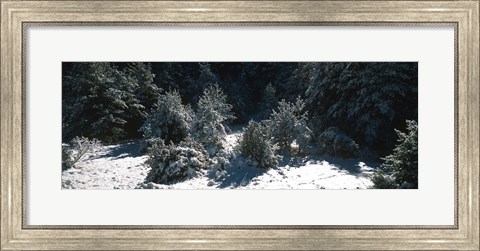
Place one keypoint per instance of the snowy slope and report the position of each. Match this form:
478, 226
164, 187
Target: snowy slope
122, 167
112, 167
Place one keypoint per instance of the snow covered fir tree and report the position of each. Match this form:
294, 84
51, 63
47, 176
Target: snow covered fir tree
239, 125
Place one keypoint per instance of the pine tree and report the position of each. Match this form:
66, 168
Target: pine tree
256, 143
238, 91
167, 75
98, 100
211, 117
170, 120
206, 76
334, 142
401, 167
365, 100
404, 160
171, 163
270, 101
117, 104
147, 92
79, 93
288, 126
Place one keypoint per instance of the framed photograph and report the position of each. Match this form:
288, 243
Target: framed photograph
240, 125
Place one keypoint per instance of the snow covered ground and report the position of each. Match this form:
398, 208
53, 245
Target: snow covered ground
112, 167
122, 166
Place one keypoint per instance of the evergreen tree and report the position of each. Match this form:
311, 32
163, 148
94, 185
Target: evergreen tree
401, 167
288, 126
147, 92
79, 86
243, 89
167, 75
256, 143
365, 100
404, 159
182, 77
334, 142
206, 78
239, 95
211, 117
171, 163
98, 99
293, 81
270, 101
170, 120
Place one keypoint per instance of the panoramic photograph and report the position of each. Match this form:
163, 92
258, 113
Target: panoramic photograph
239, 125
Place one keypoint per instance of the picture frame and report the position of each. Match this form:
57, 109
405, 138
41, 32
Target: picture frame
16, 235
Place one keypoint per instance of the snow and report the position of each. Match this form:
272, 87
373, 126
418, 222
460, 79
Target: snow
122, 166
314, 175
118, 166
231, 140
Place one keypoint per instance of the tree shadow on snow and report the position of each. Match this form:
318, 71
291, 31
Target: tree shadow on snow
351, 166
294, 161
127, 149
240, 176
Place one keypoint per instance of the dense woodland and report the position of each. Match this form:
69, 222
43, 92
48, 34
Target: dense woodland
346, 109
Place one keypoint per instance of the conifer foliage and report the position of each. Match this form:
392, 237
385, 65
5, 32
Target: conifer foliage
147, 92
270, 101
288, 126
256, 143
334, 142
175, 162
212, 114
401, 166
170, 120
98, 100
365, 100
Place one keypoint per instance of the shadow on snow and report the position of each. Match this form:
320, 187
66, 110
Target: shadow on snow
354, 167
120, 151
240, 175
